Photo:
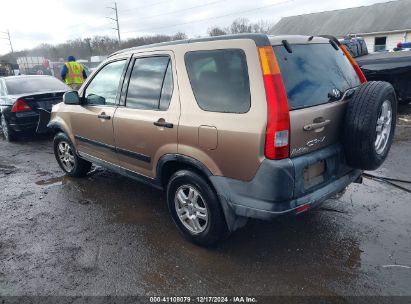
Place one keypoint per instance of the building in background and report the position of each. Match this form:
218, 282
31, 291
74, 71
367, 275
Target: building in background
382, 25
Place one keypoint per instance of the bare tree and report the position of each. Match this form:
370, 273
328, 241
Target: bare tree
84, 48
240, 25
216, 31
179, 36
261, 26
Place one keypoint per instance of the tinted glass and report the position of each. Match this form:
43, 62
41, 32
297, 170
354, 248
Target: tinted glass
313, 72
25, 85
102, 90
167, 91
219, 80
146, 82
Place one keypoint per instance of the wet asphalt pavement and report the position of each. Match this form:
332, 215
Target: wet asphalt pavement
108, 235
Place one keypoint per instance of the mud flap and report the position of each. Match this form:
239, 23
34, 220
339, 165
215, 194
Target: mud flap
44, 119
233, 221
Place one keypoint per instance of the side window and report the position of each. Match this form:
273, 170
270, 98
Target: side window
150, 85
167, 91
102, 90
219, 80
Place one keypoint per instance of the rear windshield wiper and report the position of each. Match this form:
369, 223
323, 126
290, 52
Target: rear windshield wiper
334, 45
287, 46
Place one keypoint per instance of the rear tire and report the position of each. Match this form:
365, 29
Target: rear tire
195, 208
8, 134
369, 125
67, 158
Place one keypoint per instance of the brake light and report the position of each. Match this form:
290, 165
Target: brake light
278, 118
20, 106
302, 208
355, 65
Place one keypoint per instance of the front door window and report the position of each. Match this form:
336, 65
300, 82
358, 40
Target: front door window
103, 89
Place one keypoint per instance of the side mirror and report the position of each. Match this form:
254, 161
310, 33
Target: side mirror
71, 98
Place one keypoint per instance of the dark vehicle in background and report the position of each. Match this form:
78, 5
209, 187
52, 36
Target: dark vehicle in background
392, 67
356, 46
23, 99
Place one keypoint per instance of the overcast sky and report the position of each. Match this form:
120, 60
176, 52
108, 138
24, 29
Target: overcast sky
32, 22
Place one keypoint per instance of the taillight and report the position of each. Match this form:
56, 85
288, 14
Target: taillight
278, 120
302, 208
355, 65
20, 106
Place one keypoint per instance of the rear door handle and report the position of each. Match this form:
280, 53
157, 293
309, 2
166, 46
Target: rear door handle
316, 125
104, 116
162, 123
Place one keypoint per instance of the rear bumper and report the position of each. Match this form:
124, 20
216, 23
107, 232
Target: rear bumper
23, 127
29, 121
22, 122
278, 187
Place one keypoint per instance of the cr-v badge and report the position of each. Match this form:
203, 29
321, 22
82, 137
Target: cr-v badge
310, 143
315, 141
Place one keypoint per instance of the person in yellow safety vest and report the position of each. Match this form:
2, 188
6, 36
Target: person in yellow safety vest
73, 73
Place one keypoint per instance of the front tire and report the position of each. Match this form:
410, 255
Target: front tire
195, 208
67, 157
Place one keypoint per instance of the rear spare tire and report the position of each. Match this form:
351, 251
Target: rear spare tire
369, 125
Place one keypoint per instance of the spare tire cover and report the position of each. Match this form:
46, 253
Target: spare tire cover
369, 125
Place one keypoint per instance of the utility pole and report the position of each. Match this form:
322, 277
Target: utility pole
8, 38
116, 20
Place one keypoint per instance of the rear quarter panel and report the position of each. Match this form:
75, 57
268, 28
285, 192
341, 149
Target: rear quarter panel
239, 149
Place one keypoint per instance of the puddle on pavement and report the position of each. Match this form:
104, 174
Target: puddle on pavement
134, 215
51, 181
125, 199
43, 173
7, 169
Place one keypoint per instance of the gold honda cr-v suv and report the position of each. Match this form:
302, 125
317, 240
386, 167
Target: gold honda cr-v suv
232, 127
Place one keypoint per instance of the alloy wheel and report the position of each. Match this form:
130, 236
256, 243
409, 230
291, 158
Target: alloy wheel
66, 156
191, 209
383, 129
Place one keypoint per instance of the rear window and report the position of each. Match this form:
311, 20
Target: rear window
313, 73
146, 89
219, 80
25, 85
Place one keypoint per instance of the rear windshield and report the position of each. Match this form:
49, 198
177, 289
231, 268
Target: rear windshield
313, 73
25, 85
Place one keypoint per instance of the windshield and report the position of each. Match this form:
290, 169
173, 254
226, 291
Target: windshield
25, 85
314, 74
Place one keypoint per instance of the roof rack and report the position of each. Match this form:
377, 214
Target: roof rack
259, 39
